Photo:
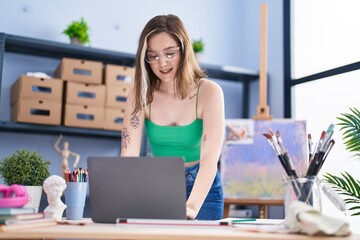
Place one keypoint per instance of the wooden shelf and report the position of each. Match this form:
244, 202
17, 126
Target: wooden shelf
57, 50
16, 127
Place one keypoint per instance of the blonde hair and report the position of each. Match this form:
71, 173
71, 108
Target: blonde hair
188, 74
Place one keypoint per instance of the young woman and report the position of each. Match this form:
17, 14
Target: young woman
183, 112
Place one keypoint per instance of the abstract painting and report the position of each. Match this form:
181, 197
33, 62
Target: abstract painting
250, 168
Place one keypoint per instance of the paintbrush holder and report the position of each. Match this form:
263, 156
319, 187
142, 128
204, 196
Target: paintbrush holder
304, 189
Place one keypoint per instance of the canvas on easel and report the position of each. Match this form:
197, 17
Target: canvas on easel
250, 168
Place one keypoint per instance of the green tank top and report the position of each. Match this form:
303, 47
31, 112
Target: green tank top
176, 141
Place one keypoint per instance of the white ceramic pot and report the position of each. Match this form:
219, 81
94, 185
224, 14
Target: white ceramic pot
34, 193
75, 41
198, 56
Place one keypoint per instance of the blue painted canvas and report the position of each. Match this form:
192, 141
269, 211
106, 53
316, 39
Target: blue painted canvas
250, 168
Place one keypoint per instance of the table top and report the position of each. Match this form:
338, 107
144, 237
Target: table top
110, 231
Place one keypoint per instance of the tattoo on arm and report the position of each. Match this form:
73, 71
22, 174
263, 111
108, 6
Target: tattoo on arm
204, 139
134, 121
125, 138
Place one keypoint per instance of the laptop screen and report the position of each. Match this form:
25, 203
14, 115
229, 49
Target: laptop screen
136, 187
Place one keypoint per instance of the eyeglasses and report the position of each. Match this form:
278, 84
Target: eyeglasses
169, 54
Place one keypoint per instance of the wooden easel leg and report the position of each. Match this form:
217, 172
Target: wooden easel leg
263, 211
263, 112
226, 210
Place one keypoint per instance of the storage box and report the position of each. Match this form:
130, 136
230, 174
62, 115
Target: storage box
40, 111
84, 116
116, 74
77, 70
85, 94
39, 88
114, 118
116, 96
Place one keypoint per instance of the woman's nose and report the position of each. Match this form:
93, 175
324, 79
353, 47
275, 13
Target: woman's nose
162, 61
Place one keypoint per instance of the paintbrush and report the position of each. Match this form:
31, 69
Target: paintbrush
286, 155
277, 150
284, 162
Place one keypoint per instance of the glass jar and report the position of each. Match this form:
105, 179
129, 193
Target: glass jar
304, 189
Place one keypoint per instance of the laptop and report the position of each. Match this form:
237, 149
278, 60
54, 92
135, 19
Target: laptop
136, 187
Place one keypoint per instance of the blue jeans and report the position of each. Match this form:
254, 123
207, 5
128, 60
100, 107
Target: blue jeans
213, 206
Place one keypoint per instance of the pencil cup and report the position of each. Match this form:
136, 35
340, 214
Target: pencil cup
304, 189
75, 195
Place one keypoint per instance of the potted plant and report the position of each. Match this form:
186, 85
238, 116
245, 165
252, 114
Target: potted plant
346, 184
78, 32
198, 47
26, 168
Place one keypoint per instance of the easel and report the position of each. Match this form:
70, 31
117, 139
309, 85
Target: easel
263, 113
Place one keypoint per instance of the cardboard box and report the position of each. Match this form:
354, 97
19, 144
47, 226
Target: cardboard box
77, 70
116, 96
116, 74
36, 111
114, 119
84, 116
39, 88
85, 94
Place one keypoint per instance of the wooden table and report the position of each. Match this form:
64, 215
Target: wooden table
262, 203
111, 231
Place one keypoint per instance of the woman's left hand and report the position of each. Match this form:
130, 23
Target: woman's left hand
190, 213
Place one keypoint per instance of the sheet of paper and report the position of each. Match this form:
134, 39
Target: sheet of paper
134, 222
